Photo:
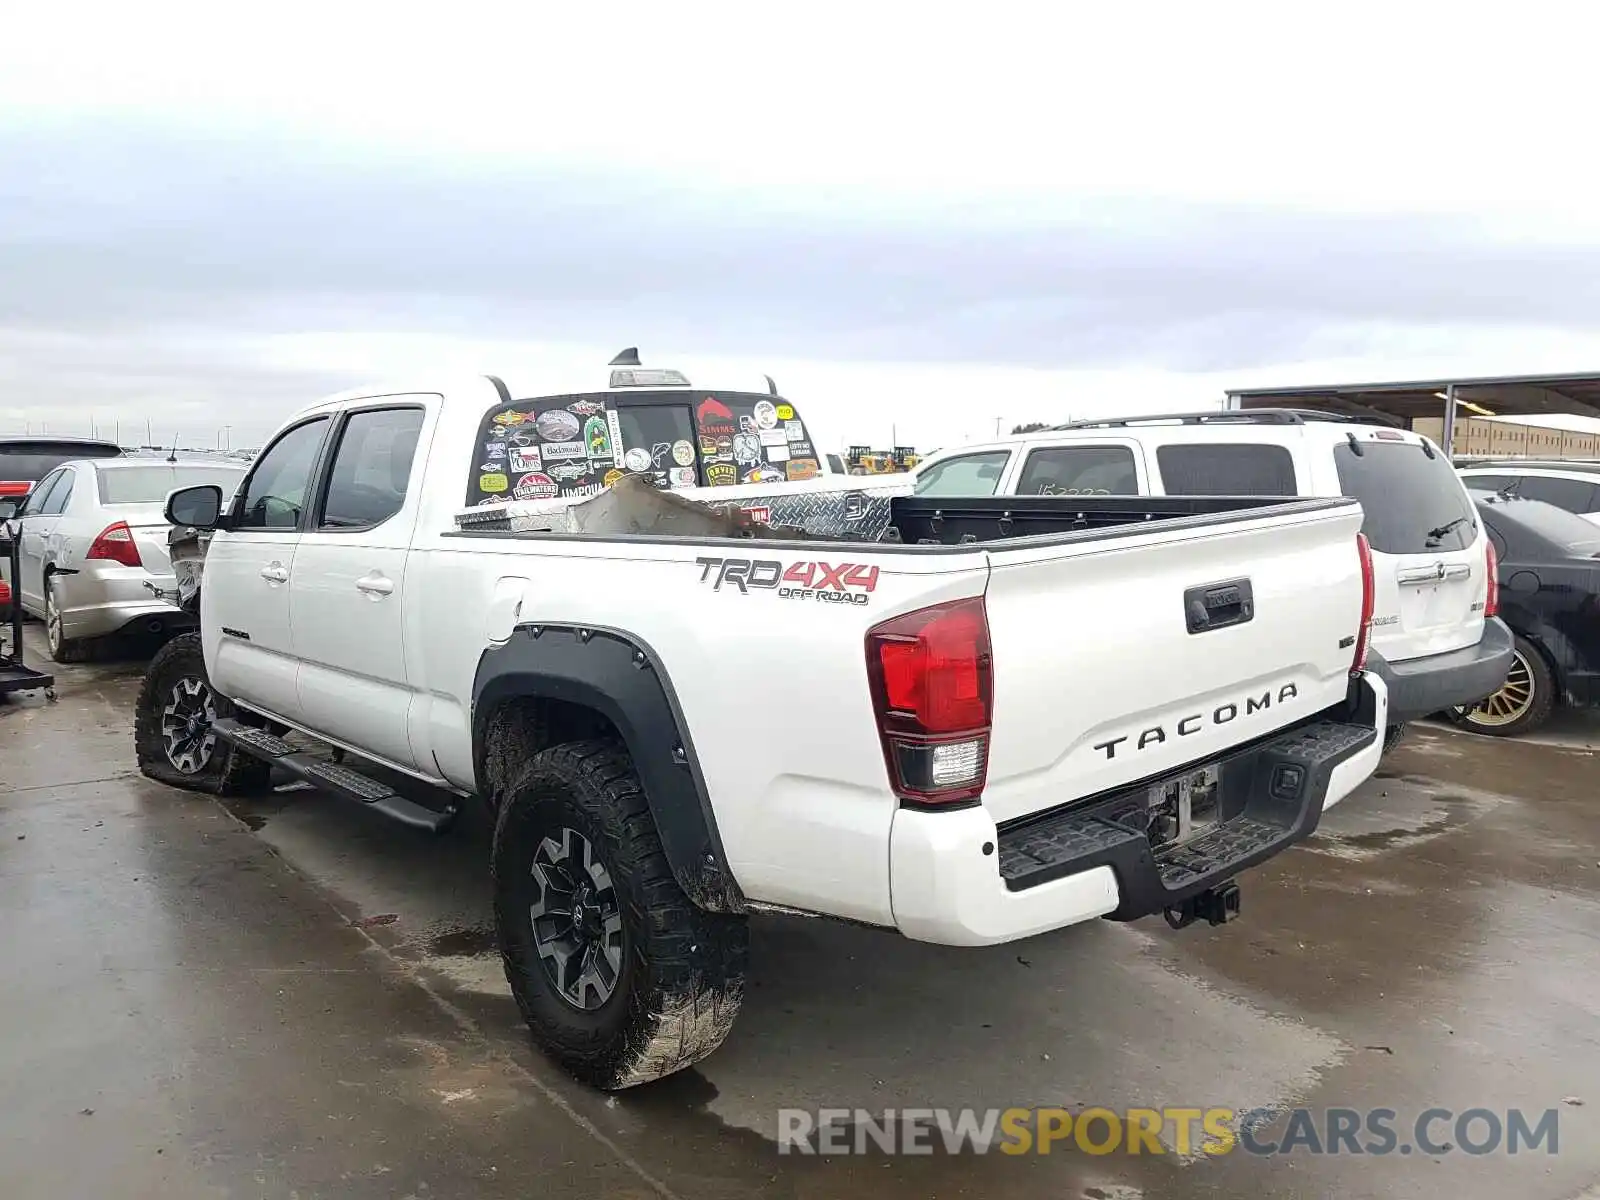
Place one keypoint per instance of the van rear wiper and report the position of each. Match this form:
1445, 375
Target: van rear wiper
1435, 534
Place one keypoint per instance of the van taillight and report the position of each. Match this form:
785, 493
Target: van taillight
1491, 562
1369, 599
932, 678
116, 544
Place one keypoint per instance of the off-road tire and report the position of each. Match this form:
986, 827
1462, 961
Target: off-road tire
1392, 737
681, 981
1541, 704
62, 649
230, 771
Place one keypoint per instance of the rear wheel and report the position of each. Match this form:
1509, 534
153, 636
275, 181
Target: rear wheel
172, 736
621, 978
62, 648
1523, 703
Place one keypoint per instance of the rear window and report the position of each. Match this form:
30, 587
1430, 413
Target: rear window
1079, 471
1574, 495
576, 445
1414, 504
150, 485
1226, 469
29, 462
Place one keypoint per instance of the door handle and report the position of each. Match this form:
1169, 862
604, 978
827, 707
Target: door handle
375, 585
275, 572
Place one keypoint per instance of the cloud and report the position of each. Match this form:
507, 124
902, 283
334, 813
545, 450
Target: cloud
180, 272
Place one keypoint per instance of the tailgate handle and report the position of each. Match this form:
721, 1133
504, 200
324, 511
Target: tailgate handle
1437, 573
1218, 605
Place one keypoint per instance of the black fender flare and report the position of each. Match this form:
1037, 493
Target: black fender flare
619, 676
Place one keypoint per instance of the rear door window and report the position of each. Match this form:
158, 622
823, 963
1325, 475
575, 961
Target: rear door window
60, 494
1226, 469
1413, 504
1079, 471
41, 494
371, 470
963, 475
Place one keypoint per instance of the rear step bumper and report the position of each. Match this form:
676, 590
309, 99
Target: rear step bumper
332, 777
956, 879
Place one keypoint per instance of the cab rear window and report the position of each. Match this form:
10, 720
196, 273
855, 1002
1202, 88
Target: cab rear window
576, 445
1414, 504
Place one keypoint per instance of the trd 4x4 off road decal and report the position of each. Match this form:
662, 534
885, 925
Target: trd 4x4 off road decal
830, 583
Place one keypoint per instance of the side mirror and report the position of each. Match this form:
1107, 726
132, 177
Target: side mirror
9, 507
199, 507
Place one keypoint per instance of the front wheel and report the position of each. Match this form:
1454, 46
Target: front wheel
621, 978
172, 733
1523, 703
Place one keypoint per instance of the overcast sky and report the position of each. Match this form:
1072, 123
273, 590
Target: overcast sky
920, 226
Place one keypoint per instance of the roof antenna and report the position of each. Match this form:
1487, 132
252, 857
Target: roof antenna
772, 388
628, 358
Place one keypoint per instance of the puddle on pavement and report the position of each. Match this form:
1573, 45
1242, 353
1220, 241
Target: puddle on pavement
463, 943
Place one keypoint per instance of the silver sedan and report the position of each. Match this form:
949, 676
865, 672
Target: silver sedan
93, 548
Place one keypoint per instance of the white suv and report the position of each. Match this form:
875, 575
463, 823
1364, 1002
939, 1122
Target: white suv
1436, 639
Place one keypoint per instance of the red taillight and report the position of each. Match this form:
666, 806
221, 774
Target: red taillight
931, 674
1491, 562
5, 592
116, 544
1369, 599
15, 487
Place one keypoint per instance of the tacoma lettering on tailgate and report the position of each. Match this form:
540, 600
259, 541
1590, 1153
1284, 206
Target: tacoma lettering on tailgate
829, 583
1195, 722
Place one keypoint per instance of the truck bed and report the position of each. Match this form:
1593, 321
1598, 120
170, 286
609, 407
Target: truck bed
878, 516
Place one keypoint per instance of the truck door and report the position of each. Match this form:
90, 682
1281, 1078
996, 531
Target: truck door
244, 599
347, 596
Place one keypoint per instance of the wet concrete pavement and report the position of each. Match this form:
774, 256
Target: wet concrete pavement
286, 996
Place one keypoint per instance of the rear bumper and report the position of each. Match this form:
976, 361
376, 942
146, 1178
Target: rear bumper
956, 879
1419, 687
99, 601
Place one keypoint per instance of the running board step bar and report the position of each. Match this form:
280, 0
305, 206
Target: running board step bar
333, 777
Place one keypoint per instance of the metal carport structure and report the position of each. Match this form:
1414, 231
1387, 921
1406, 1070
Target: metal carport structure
1402, 403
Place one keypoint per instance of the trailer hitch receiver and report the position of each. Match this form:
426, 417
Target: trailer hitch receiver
1217, 905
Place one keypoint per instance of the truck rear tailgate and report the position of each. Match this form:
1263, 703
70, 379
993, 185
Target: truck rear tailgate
1119, 658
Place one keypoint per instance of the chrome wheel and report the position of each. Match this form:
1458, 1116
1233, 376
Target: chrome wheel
186, 725
1515, 697
52, 621
577, 920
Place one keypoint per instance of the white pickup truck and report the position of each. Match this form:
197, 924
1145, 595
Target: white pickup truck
971, 722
